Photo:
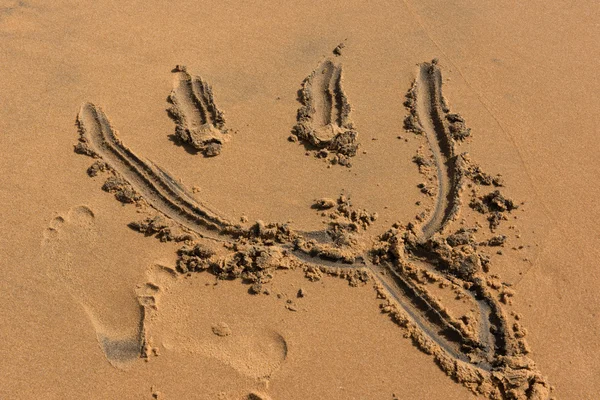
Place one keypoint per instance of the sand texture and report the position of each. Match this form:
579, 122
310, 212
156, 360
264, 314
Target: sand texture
339, 200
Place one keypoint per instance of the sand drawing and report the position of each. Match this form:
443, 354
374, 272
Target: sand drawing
324, 119
429, 274
200, 124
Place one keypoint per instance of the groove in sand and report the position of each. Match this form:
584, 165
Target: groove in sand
431, 321
431, 110
324, 121
160, 190
328, 97
199, 122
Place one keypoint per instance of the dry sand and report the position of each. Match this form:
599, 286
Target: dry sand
390, 264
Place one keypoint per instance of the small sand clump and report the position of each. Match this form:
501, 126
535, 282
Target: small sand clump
221, 329
121, 189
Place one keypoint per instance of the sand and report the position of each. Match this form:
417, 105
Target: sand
266, 201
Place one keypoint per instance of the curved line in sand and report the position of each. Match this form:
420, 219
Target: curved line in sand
160, 190
430, 109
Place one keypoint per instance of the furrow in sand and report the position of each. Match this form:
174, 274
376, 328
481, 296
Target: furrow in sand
426, 316
327, 97
190, 105
194, 99
199, 122
486, 340
155, 185
434, 323
326, 93
341, 107
206, 94
323, 97
324, 118
431, 110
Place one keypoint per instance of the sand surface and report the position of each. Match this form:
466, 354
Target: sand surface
228, 113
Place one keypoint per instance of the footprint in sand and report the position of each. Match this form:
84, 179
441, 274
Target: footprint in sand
258, 355
81, 261
126, 314
176, 320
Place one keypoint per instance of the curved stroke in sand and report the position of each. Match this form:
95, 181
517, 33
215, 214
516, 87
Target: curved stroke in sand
431, 108
330, 102
497, 358
156, 186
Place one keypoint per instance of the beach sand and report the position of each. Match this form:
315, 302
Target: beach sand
315, 186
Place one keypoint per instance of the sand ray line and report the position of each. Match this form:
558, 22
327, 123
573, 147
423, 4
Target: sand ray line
160, 191
430, 110
323, 120
199, 122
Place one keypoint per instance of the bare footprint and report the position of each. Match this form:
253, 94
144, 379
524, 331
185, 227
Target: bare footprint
180, 316
83, 261
256, 354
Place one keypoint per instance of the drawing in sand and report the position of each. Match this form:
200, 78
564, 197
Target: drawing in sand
429, 273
